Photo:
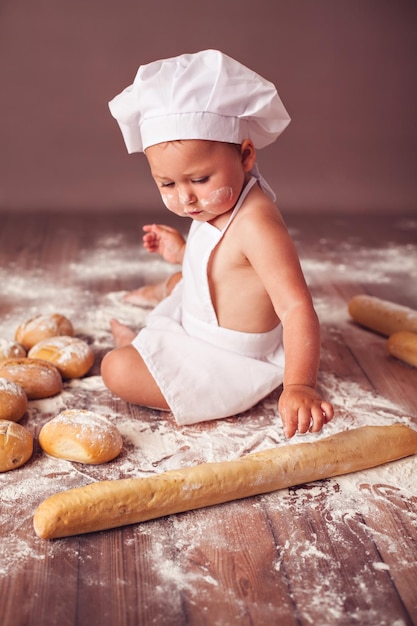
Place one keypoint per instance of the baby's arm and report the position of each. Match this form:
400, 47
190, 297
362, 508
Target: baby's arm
301, 407
164, 240
272, 254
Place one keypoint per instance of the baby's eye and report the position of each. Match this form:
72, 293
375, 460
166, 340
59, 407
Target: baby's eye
204, 179
167, 184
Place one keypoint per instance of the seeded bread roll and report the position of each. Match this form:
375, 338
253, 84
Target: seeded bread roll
72, 356
81, 436
39, 379
42, 326
403, 345
13, 401
16, 445
113, 503
382, 316
11, 350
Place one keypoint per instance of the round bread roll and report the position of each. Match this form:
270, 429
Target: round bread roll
39, 379
81, 436
11, 350
71, 355
42, 326
16, 445
13, 401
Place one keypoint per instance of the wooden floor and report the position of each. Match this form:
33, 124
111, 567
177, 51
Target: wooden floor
337, 552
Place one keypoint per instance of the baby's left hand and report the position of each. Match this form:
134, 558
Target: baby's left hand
302, 409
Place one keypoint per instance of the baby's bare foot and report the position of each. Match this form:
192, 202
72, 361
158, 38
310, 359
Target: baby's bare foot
151, 295
147, 296
122, 335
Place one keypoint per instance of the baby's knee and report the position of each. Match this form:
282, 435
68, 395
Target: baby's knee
121, 370
106, 368
111, 370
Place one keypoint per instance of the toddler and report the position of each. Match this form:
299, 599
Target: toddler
240, 320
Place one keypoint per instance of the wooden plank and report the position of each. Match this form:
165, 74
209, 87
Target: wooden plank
336, 552
234, 565
332, 564
393, 522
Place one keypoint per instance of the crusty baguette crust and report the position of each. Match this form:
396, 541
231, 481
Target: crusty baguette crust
110, 504
382, 316
403, 345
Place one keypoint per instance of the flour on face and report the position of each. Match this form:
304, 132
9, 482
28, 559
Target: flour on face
216, 197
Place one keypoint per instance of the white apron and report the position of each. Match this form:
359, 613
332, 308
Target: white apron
206, 371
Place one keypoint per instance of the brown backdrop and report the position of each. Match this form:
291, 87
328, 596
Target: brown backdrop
345, 69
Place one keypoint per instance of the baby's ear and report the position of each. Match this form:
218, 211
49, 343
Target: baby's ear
248, 154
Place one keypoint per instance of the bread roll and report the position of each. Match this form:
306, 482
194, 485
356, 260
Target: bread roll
16, 445
11, 350
38, 378
13, 401
403, 345
109, 504
382, 316
42, 326
72, 356
82, 436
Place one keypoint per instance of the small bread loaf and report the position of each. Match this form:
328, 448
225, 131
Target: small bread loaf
382, 316
403, 345
39, 379
71, 355
11, 350
113, 503
16, 445
13, 400
40, 327
81, 436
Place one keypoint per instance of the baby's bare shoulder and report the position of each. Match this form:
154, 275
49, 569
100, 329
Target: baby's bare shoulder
260, 217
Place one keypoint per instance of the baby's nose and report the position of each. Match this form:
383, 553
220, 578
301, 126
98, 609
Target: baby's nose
186, 196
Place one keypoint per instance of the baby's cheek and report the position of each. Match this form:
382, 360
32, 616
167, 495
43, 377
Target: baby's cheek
170, 200
217, 197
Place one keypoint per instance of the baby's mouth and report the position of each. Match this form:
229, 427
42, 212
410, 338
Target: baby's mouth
193, 212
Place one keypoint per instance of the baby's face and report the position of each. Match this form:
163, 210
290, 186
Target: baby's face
198, 179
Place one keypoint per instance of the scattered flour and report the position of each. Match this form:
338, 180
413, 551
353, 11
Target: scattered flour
365, 266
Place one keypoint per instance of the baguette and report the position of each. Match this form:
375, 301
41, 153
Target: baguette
382, 316
403, 345
110, 504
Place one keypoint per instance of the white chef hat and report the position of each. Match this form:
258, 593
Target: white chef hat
206, 95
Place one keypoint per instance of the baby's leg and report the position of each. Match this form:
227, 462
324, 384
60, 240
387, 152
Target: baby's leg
151, 295
124, 372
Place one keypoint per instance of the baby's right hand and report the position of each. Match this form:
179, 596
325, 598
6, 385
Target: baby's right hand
166, 241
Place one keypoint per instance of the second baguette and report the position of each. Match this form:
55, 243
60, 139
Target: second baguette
403, 345
382, 316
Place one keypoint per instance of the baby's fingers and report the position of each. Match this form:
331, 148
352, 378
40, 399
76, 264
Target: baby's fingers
328, 411
304, 419
290, 422
318, 418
